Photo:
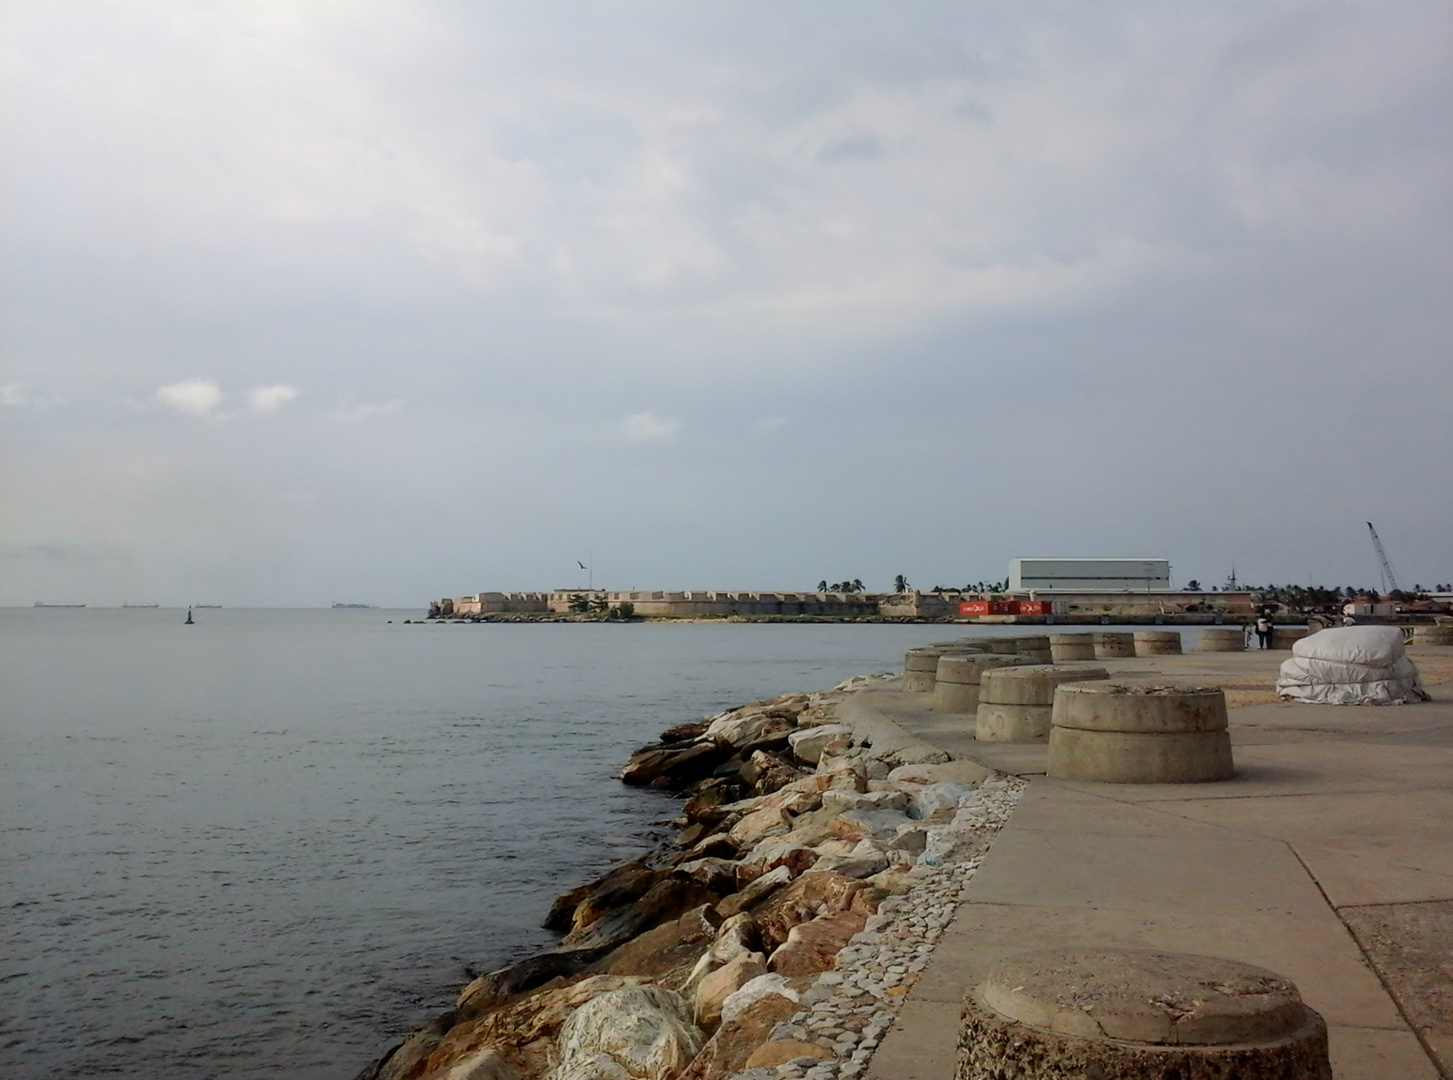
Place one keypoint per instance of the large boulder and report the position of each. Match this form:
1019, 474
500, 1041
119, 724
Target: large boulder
410, 1058
487, 1064
736, 937
811, 947
524, 1031
814, 893
807, 743
768, 821
754, 892
748, 726
726, 1052
634, 1033
669, 953
614, 891
667, 899
766, 772
716, 986
497, 988
673, 766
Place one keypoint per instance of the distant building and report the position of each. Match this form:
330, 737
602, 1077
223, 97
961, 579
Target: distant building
1088, 575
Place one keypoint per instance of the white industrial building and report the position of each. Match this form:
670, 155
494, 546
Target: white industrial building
1088, 575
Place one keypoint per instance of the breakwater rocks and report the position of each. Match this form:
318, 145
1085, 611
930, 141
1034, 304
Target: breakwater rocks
816, 864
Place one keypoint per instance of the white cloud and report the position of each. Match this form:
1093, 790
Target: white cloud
648, 427
357, 414
15, 395
266, 399
195, 397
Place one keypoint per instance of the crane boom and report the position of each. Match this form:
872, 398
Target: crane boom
1389, 579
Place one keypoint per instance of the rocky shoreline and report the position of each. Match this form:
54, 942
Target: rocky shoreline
815, 865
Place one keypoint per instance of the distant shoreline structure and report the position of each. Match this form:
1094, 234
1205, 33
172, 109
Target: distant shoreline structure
356, 607
40, 603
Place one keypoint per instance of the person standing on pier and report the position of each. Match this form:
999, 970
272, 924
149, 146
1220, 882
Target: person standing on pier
1263, 631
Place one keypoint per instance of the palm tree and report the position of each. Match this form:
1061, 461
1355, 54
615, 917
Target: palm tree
900, 584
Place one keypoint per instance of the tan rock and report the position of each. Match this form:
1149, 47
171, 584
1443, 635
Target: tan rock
718, 875
523, 1031
779, 1052
636, 1032
410, 1059
718, 985
754, 893
771, 854
759, 823
814, 893
668, 954
811, 947
487, 1064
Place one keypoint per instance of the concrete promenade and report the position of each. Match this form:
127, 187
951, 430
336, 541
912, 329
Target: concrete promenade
1329, 859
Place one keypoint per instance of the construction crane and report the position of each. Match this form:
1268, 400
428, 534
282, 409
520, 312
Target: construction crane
1389, 580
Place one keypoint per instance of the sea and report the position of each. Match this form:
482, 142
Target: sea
272, 843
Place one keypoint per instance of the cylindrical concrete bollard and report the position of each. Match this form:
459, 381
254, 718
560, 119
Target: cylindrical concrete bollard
1015, 703
1222, 639
1282, 637
920, 665
1157, 643
1065, 647
1138, 733
956, 683
1433, 635
1036, 646
1130, 1014
1112, 646
1004, 646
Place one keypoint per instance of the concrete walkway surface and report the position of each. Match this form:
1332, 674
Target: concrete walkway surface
1329, 859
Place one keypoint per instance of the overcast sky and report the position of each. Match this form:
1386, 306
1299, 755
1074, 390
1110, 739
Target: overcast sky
316, 301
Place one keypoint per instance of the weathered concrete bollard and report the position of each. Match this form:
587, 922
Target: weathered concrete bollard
956, 683
1036, 646
1137, 733
1222, 639
1127, 1014
1157, 643
1282, 637
1004, 646
921, 665
1113, 646
1015, 703
1433, 635
1066, 647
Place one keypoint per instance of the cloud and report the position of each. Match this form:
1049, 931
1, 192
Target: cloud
17, 395
266, 399
648, 427
194, 397
357, 414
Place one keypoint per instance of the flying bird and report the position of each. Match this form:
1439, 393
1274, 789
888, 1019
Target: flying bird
580, 564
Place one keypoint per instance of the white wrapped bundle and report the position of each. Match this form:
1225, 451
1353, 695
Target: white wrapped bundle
1354, 665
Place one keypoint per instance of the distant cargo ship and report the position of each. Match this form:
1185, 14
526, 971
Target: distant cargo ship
363, 606
40, 604
206, 605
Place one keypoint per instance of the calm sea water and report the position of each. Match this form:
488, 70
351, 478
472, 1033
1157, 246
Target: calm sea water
269, 843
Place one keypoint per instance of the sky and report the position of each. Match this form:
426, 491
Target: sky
376, 302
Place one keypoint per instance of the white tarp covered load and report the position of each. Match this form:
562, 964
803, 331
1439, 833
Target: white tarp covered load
1352, 665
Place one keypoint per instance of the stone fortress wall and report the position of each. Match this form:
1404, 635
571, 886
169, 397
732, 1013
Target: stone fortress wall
715, 603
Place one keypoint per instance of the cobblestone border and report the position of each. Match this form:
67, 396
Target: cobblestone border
851, 1007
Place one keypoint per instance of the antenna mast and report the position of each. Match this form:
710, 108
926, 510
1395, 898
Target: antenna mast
1390, 581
